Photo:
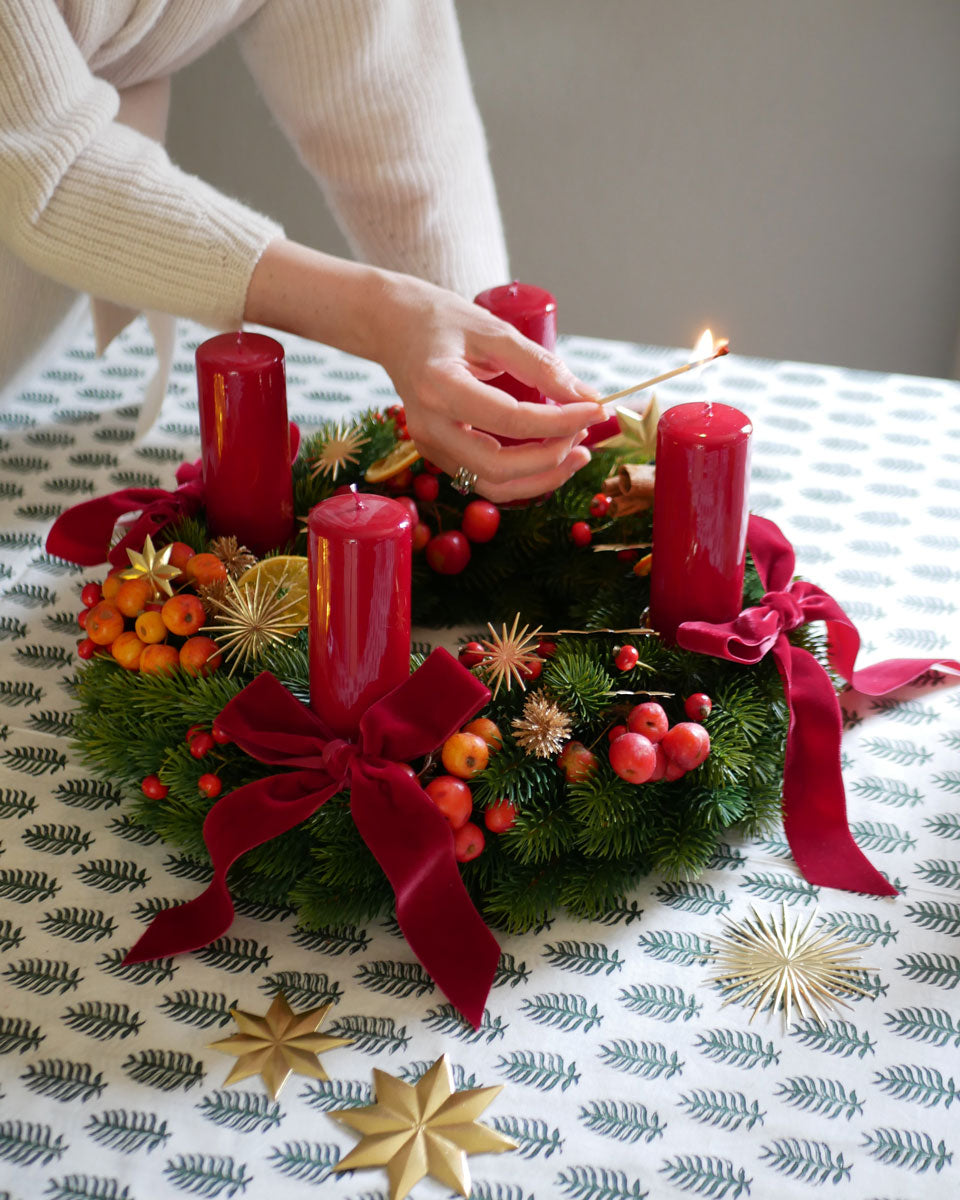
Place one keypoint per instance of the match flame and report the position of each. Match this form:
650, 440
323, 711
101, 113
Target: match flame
704, 347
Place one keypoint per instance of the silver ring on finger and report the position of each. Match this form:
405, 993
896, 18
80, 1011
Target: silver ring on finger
464, 481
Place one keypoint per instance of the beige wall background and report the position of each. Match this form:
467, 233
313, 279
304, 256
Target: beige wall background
786, 171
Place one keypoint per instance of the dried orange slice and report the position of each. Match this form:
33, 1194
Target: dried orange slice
287, 573
402, 456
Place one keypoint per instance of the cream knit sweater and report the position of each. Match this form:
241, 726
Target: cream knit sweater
374, 95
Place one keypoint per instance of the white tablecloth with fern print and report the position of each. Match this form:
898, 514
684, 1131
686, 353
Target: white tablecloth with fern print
625, 1076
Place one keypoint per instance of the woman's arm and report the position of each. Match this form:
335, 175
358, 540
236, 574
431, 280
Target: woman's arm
438, 349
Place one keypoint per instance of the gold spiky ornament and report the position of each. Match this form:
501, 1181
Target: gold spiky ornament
340, 449
250, 619
235, 558
152, 565
775, 962
543, 728
507, 655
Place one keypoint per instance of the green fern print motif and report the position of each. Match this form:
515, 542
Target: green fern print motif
625, 1076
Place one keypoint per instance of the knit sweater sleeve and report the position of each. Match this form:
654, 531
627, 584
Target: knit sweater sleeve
97, 206
376, 98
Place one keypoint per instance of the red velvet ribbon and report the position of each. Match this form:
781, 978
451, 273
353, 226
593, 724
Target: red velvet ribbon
406, 832
814, 803
82, 534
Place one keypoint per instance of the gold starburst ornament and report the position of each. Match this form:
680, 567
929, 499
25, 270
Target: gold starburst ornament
235, 558
507, 655
779, 962
543, 728
152, 565
277, 1045
250, 618
340, 449
421, 1129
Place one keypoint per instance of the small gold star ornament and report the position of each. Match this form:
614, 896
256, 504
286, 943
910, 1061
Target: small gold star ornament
505, 655
278, 1044
152, 565
775, 962
421, 1129
341, 448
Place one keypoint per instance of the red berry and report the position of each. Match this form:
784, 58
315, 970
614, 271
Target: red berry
471, 653
220, 736
599, 505
422, 533
82, 618
633, 757
467, 842
661, 766
453, 797
152, 788
403, 434
448, 553
410, 505
698, 706
626, 556
531, 669
201, 744
577, 762
407, 770
672, 771
546, 649
192, 732
580, 533
210, 784
481, 520
86, 648
627, 658
426, 487
500, 816
432, 467
687, 744
648, 719
615, 732
90, 595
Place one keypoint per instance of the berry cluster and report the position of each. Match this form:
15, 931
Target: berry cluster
201, 741
647, 748
464, 755
123, 618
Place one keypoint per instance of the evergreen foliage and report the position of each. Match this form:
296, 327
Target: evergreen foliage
580, 847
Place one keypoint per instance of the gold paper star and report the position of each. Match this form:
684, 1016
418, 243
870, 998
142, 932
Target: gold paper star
152, 565
278, 1044
638, 431
506, 655
250, 619
421, 1129
780, 964
341, 448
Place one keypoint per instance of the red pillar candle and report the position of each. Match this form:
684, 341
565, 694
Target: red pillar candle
245, 439
699, 516
532, 311
359, 551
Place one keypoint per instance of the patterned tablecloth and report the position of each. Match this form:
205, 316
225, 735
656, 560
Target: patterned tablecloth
625, 1075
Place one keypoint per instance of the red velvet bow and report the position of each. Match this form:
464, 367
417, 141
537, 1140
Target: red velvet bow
814, 804
82, 534
406, 832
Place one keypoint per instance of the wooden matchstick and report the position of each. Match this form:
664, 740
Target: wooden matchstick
723, 347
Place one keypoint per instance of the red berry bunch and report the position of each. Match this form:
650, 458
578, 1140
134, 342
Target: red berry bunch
399, 417
464, 755
580, 532
649, 749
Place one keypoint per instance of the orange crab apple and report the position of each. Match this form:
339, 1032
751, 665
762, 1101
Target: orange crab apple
180, 555
488, 730
133, 596
159, 659
150, 627
104, 623
204, 569
465, 754
200, 656
183, 614
127, 649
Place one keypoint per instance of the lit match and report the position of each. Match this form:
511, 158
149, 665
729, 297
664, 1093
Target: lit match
705, 351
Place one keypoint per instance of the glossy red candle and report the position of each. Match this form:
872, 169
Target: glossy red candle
360, 551
699, 515
531, 310
245, 439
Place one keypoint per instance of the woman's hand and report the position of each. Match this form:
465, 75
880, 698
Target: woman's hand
438, 350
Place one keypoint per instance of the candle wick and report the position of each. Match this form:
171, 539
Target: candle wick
358, 503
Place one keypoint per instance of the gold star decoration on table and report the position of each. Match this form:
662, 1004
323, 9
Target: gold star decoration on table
249, 619
279, 1044
505, 655
421, 1129
543, 728
235, 558
779, 962
340, 449
152, 565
